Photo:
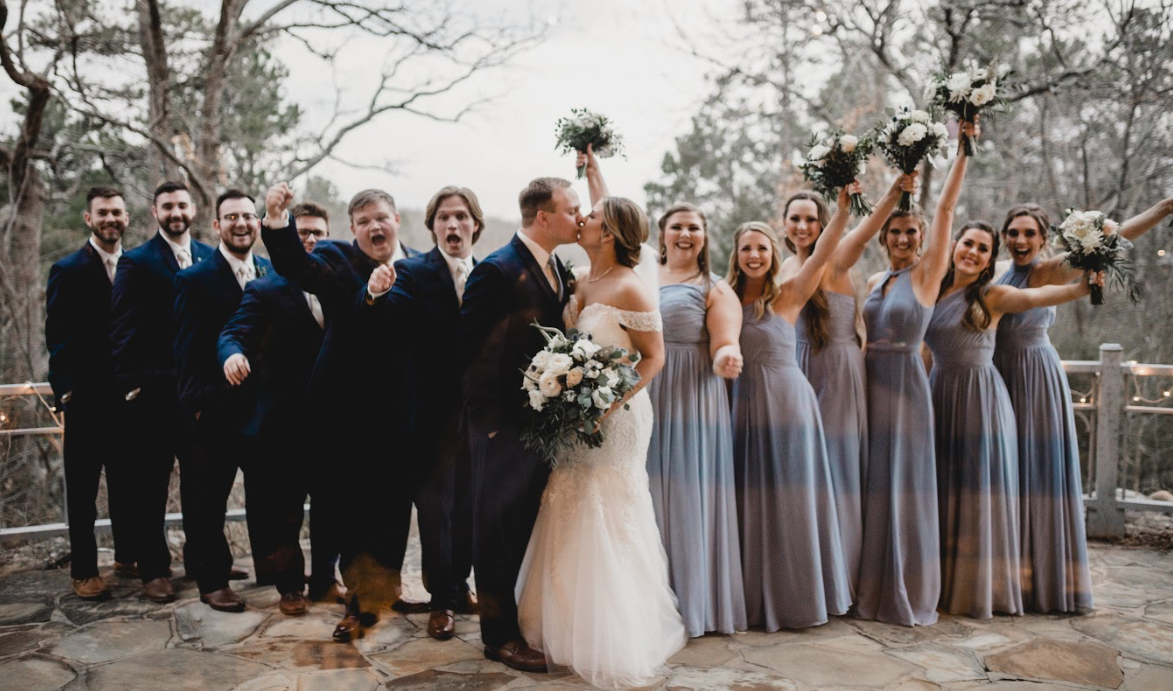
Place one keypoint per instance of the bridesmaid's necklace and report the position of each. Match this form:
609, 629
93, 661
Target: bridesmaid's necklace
592, 279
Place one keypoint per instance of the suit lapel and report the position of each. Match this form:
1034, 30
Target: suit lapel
163, 248
539, 276
227, 276
447, 286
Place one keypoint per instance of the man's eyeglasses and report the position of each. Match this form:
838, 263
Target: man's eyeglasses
233, 218
319, 234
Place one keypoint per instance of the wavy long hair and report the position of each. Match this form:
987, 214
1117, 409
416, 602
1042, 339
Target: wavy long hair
977, 312
816, 311
735, 277
703, 261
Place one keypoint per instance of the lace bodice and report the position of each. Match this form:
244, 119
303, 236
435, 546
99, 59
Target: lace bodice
608, 325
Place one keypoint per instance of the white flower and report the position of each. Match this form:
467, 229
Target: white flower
912, 134
540, 360
529, 384
983, 94
1082, 229
536, 400
958, 85
558, 342
549, 385
847, 142
584, 349
862, 168
560, 363
939, 130
609, 377
919, 116
818, 152
568, 396
1003, 70
574, 377
602, 397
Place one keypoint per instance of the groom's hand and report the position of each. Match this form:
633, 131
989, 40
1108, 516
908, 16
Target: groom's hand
236, 369
277, 200
381, 280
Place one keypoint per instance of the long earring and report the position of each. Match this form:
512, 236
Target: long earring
663, 254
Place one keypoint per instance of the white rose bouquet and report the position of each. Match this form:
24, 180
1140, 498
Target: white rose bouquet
585, 128
907, 139
834, 161
1092, 243
970, 92
571, 383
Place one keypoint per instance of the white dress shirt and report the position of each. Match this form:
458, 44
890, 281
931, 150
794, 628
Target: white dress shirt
109, 260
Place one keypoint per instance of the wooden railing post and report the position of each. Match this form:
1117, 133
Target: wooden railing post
1104, 518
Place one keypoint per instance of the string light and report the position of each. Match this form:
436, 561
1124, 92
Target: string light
1160, 253
821, 16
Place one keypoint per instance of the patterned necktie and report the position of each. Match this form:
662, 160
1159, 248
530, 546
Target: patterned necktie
315, 309
555, 279
183, 258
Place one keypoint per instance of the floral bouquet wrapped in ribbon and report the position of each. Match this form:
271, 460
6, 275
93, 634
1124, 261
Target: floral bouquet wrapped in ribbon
834, 161
969, 92
585, 128
571, 383
1092, 243
907, 139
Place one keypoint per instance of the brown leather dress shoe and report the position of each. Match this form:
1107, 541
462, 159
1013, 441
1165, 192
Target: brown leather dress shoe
410, 606
128, 570
518, 655
92, 588
468, 604
223, 600
293, 605
235, 574
159, 590
349, 629
442, 624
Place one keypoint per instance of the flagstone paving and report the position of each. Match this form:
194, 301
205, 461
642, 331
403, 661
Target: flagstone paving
50, 639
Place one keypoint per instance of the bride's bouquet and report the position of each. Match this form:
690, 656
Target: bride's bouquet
571, 383
1092, 243
835, 160
907, 139
585, 128
969, 92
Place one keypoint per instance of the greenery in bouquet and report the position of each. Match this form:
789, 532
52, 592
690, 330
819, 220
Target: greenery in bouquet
834, 161
584, 128
1093, 243
571, 384
968, 93
908, 138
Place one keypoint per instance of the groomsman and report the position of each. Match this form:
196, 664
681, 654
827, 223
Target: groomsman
274, 337
363, 483
77, 332
206, 296
142, 334
420, 301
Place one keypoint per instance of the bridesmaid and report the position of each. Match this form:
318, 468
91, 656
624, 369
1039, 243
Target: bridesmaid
829, 350
976, 439
791, 553
690, 457
1052, 539
900, 570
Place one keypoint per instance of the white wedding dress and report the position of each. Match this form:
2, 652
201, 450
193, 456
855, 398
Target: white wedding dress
593, 591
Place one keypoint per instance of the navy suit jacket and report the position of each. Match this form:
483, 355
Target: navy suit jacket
505, 294
77, 330
142, 323
206, 296
274, 328
334, 272
422, 309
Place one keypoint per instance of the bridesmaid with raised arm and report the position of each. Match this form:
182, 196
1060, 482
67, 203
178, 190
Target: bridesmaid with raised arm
829, 351
690, 457
1052, 538
976, 439
900, 563
791, 552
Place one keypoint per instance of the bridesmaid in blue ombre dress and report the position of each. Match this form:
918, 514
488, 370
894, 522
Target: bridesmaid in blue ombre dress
1052, 537
976, 439
690, 458
899, 574
792, 556
829, 350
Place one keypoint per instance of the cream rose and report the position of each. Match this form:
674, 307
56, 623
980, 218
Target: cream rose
983, 94
574, 377
560, 363
549, 385
848, 143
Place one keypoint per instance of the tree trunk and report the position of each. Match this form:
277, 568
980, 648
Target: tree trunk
22, 323
154, 49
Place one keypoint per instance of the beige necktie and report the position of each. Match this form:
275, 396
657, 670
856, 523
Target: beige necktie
315, 309
555, 279
245, 273
183, 257
460, 278
111, 267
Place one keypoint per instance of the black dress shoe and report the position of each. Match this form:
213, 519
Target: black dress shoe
223, 600
442, 624
518, 655
235, 574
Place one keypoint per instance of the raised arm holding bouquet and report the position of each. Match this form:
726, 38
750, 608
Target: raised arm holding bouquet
834, 161
908, 138
584, 128
968, 93
1093, 243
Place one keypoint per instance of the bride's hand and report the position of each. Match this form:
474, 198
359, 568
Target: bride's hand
587, 159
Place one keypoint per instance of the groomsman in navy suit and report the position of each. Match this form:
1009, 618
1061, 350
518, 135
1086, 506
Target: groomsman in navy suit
142, 334
362, 480
508, 291
206, 296
274, 338
77, 331
420, 301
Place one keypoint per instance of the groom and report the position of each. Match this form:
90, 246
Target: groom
506, 293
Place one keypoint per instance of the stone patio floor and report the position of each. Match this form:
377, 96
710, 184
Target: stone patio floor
50, 639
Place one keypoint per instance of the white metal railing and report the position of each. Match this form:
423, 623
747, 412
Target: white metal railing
1107, 403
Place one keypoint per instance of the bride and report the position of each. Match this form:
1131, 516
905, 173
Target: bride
593, 591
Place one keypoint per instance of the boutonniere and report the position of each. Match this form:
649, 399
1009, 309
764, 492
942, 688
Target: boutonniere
262, 269
571, 279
